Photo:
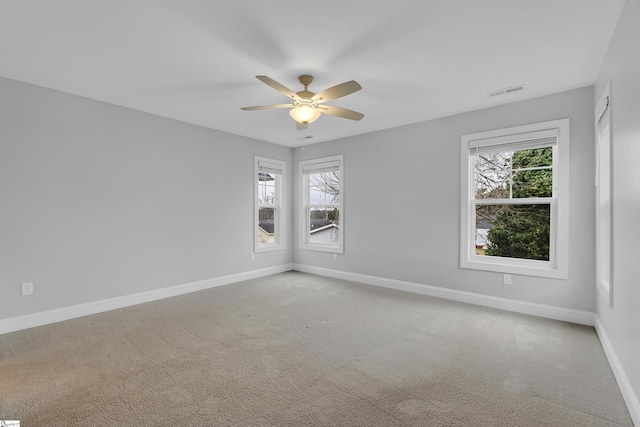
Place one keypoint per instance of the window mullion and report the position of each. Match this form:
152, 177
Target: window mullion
517, 201
511, 176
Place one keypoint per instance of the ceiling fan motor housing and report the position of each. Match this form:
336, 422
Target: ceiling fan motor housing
306, 80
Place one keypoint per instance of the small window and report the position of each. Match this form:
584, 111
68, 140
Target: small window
269, 215
322, 204
514, 200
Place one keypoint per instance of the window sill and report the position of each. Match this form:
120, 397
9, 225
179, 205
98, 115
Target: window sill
319, 248
269, 249
518, 267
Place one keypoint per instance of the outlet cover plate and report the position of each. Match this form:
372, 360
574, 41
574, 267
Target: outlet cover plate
27, 288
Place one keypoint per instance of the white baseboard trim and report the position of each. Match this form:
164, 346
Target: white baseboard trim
630, 397
57, 315
541, 310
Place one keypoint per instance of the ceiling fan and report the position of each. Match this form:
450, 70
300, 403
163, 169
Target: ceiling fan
307, 106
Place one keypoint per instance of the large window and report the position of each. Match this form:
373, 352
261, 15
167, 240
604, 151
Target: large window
604, 212
514, 206
269, 215
322, 182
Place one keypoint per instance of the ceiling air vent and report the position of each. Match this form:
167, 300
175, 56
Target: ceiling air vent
506, 90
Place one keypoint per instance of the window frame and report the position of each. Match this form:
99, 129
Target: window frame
305, 205
604, 191
557, 266
278, 167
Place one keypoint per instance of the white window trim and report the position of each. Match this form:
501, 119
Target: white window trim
602, 126
558, 265
304, 197
279, 166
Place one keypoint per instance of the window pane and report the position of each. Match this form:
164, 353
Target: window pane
267, 225
532, 183
266, 188
324, 225
492, 175
521, 174
533, 158
324, 188
513, 231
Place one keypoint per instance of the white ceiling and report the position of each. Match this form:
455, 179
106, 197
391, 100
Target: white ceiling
195, 60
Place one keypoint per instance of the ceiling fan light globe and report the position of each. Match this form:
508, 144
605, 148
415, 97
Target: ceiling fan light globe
304, 114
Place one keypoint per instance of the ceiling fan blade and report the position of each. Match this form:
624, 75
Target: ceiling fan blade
301, 126
337, 91
266, 107
277, 86
340, 112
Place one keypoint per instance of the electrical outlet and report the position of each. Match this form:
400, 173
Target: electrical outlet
252, 255
335, 257
27, 288
506, 279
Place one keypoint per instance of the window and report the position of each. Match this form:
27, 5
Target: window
322, 183
269, 215
514, 204
604, 223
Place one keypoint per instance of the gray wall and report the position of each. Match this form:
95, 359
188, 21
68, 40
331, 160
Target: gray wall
622, 68
99, 201
402, 202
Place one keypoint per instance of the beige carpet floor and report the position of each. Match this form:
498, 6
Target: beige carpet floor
295, 349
